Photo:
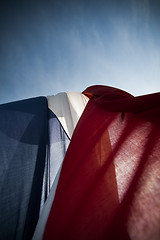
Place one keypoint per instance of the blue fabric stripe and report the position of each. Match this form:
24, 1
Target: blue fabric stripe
23, 138
57, 147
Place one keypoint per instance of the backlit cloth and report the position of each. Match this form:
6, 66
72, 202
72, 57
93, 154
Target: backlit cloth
23, 141
109, 186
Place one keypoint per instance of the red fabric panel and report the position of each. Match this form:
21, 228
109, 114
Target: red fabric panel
113, 99
109, 186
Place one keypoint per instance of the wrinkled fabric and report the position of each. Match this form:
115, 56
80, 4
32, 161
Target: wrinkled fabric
109, 186
68, 108
57, 147
23, 139
65, 110
58, 142
33, 144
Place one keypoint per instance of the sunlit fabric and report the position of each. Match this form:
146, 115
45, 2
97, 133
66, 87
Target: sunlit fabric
23, 139
109, 186
68, 108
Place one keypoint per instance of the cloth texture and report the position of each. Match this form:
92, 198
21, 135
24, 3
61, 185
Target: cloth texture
65, 110
33, 143
68, 108
57, 147
23, 139
109, 185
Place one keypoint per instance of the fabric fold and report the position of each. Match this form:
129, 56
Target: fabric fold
116, 100
103, 184
109, 182
68, 108
64, 112
83, 188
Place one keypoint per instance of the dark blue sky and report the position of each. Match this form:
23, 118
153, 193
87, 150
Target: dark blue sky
48, 47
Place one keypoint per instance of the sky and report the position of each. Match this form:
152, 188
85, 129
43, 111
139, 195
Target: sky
48, 46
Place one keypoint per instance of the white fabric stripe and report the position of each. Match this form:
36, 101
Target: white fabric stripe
77, 103
59, 105
68, 108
